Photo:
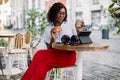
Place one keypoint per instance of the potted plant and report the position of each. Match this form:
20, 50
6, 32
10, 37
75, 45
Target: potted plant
10, 26
36, 24
114, 10
3, 43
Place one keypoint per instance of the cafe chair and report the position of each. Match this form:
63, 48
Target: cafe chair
13, 58
64, 73
27, 40
27, 46
17, 56
15, 52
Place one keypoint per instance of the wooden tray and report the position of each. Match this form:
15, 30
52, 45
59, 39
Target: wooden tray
80, 47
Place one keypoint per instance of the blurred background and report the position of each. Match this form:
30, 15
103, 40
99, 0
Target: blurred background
14, 13
102, 17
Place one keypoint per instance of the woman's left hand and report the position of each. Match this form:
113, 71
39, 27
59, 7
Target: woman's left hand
55, 31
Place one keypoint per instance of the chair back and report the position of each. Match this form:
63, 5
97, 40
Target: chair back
28, 37
18, 41
27, 42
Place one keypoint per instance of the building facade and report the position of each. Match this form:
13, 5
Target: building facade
5, 12
92, 11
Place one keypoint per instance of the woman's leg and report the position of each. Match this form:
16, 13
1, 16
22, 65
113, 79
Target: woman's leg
40, 72
44, 60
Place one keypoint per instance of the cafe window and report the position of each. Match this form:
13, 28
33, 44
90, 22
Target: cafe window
26, 5
33, 3
78, 2
95, 1
95, 17
38, 4
78, 14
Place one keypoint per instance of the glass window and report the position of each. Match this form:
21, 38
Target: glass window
78, 14
78, 2
95, 1
26, 5
39, 4
33, 3
95, 17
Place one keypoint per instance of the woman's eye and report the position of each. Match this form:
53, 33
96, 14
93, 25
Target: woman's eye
63, 13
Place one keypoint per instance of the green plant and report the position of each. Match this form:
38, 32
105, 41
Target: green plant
3, 43
10, 26
114, 10
36, 24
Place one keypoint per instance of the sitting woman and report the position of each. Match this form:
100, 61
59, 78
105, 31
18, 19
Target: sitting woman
45, 60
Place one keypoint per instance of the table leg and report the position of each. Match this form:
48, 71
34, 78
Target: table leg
79, 66
9, 43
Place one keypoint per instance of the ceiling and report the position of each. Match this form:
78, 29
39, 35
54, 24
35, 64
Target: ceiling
1, 1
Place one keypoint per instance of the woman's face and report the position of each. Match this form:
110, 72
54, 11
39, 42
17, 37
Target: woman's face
61, 15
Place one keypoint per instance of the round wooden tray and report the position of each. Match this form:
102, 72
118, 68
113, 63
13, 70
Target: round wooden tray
80, 47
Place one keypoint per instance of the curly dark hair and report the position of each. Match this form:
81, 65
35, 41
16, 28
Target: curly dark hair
53, 11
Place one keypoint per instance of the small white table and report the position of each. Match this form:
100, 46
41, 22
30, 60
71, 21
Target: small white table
79, 48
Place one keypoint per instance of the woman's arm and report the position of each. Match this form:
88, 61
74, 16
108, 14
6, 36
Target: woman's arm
49, 46
54, 31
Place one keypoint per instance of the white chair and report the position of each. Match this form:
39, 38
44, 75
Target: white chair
17, 49
65, 73
27, 46
13, 57
17, 56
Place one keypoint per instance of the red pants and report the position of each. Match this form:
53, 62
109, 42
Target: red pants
44, 60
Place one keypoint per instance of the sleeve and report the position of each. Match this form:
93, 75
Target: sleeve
73, 29
47, 35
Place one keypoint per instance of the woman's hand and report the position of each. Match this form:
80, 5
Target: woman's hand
55, 31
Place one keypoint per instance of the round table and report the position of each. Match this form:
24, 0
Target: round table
79, 48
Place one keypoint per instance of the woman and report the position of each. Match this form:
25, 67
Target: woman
45, 60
